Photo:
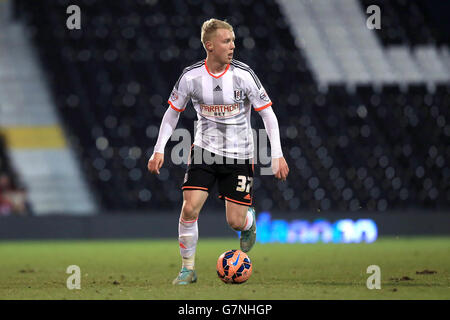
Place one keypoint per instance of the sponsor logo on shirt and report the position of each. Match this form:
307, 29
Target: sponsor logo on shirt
219, 110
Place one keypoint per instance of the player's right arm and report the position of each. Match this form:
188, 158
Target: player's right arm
177, 103
168, 125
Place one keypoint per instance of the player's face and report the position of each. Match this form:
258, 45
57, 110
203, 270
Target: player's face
223, 45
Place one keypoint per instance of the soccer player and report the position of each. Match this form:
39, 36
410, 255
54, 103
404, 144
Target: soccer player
222, 91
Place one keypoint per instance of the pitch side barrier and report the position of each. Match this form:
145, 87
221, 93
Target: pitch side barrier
282, 227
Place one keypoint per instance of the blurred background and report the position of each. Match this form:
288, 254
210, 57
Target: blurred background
363, 113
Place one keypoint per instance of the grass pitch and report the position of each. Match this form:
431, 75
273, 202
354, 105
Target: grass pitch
144, 269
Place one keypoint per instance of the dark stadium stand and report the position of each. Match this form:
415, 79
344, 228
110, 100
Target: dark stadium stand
13, 197
5, 162
374, 150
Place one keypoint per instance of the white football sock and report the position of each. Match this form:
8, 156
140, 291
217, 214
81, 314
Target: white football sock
187, 238
248, 221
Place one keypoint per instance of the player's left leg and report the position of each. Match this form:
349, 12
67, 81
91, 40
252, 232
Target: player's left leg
236, 188
236, 215
242, 218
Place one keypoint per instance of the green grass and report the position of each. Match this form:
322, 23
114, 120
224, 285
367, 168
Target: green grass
144, 269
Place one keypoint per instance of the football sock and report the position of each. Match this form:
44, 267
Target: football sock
187, 238
248, 221
188, 263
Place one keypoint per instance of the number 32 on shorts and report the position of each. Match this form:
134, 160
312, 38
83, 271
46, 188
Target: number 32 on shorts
244, 184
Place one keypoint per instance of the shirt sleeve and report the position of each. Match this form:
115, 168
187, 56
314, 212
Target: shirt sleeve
168, 125
256, 93
180, 94
273, 131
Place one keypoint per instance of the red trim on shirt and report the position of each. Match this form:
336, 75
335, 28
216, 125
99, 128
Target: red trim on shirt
175, 108
263, 107
217, 77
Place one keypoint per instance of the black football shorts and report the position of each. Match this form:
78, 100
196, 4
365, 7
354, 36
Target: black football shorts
234, 176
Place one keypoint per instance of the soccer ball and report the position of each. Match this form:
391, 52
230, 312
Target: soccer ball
234, 266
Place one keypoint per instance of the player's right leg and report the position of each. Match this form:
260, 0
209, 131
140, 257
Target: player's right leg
193, 201
198, 180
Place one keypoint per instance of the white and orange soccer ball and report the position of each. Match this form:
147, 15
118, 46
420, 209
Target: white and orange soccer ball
234, 266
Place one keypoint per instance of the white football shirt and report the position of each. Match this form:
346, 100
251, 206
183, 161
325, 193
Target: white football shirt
223, 104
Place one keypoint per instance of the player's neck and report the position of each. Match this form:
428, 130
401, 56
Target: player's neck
215, 67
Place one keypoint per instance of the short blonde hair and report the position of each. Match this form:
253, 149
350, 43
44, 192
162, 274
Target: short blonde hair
210, 26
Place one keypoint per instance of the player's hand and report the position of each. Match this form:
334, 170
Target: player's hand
280, 168
155, 162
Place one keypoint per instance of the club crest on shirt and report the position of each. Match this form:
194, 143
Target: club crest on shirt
238, 95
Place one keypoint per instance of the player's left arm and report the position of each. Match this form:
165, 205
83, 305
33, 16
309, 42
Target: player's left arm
279, 164
263, 105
